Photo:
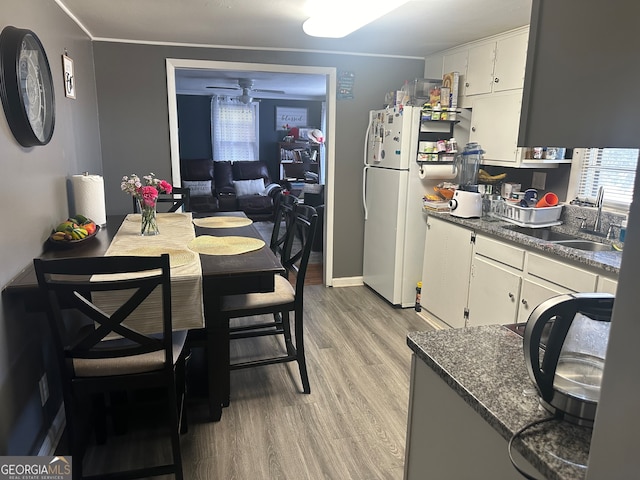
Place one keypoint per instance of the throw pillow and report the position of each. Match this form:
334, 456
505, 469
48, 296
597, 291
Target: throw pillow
269, 188
249, 187
198, 188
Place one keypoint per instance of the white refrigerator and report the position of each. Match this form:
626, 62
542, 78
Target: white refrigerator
395, 226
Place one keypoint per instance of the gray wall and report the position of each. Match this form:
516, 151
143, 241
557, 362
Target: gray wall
34, 199
127, 84
132, 98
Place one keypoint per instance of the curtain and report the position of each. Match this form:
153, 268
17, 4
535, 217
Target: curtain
234, 129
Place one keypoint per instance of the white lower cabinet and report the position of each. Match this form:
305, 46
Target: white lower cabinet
494, 292
533, 293
445, 274
607, 285
472, 279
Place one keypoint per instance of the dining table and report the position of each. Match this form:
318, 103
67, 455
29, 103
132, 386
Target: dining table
222, 274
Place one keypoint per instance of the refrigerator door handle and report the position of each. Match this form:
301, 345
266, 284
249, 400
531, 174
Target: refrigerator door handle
366, 141
364, 192
366, 164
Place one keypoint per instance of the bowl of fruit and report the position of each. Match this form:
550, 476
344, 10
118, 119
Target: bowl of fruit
74, 230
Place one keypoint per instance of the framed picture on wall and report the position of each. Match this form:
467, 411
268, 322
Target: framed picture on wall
69, 79
287, 117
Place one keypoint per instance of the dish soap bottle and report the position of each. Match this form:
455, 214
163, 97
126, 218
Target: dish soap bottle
623, 230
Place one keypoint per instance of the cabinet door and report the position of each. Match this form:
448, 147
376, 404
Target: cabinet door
457, 62
607, 285
494, 293
495, 121
511, 57
480, 69
533, 294
445, 276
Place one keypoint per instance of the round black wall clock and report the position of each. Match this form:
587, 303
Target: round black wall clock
26, 87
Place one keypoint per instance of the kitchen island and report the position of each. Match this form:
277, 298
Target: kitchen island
470, 392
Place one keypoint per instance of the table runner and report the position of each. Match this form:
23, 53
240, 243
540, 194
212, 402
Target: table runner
176, 230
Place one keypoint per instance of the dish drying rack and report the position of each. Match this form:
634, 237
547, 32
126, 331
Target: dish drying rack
526, 216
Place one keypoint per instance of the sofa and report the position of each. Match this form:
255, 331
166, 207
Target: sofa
223, 186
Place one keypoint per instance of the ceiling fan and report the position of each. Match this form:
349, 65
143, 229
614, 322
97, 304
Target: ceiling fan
246, 85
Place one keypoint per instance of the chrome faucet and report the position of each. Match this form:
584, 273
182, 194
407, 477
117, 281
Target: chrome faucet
599, 200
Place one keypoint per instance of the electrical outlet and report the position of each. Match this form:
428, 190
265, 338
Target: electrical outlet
44, 389
539, 180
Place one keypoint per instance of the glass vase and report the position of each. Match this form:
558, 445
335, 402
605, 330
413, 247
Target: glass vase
149, 222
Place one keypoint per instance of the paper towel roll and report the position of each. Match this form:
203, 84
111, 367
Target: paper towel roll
88, 195
438, 172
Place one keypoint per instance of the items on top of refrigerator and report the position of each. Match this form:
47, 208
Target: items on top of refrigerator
413, 93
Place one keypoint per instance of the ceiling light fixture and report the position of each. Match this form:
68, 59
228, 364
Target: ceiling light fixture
337, 19
245, 97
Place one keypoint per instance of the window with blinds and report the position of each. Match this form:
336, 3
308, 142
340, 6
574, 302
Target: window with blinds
612, 168
234, 130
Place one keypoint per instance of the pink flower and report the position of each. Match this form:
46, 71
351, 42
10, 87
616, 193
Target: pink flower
165, 186
149, 195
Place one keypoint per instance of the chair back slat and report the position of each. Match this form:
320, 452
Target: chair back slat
180, 197
298, 243
71, 285
283, 217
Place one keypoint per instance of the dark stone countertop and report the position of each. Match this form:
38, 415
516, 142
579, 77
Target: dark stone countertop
609, 261
485, 366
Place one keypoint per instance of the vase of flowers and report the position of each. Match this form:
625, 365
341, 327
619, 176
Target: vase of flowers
146, 194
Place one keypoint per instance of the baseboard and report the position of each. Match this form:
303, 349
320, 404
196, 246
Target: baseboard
50, 442
433, 322
347, 282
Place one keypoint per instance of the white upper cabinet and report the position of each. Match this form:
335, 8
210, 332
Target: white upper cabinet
457, 62
498, 65
480, 69
494, 125
491, 65
510, 63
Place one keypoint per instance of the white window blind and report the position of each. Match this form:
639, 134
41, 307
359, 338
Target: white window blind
234, 129
612, 168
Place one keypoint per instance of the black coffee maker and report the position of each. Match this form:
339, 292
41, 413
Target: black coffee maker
569, 376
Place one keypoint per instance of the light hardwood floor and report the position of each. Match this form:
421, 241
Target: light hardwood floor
351, 426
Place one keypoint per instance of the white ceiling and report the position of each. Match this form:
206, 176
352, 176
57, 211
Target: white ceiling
416, 29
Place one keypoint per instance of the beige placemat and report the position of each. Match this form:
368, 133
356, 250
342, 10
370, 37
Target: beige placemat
176, 231
222, 222
210, 245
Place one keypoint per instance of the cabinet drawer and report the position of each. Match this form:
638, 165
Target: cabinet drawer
500, 251
562, 274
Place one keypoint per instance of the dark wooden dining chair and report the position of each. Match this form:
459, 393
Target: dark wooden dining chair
180, 197
92, 364
287, 297
283, 217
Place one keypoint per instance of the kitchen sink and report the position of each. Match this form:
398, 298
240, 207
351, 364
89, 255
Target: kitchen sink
542, 233
560, 238
585, 245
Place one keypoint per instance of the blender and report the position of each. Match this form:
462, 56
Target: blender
467, 201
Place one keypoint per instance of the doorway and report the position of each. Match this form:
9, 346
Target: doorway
174, 65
